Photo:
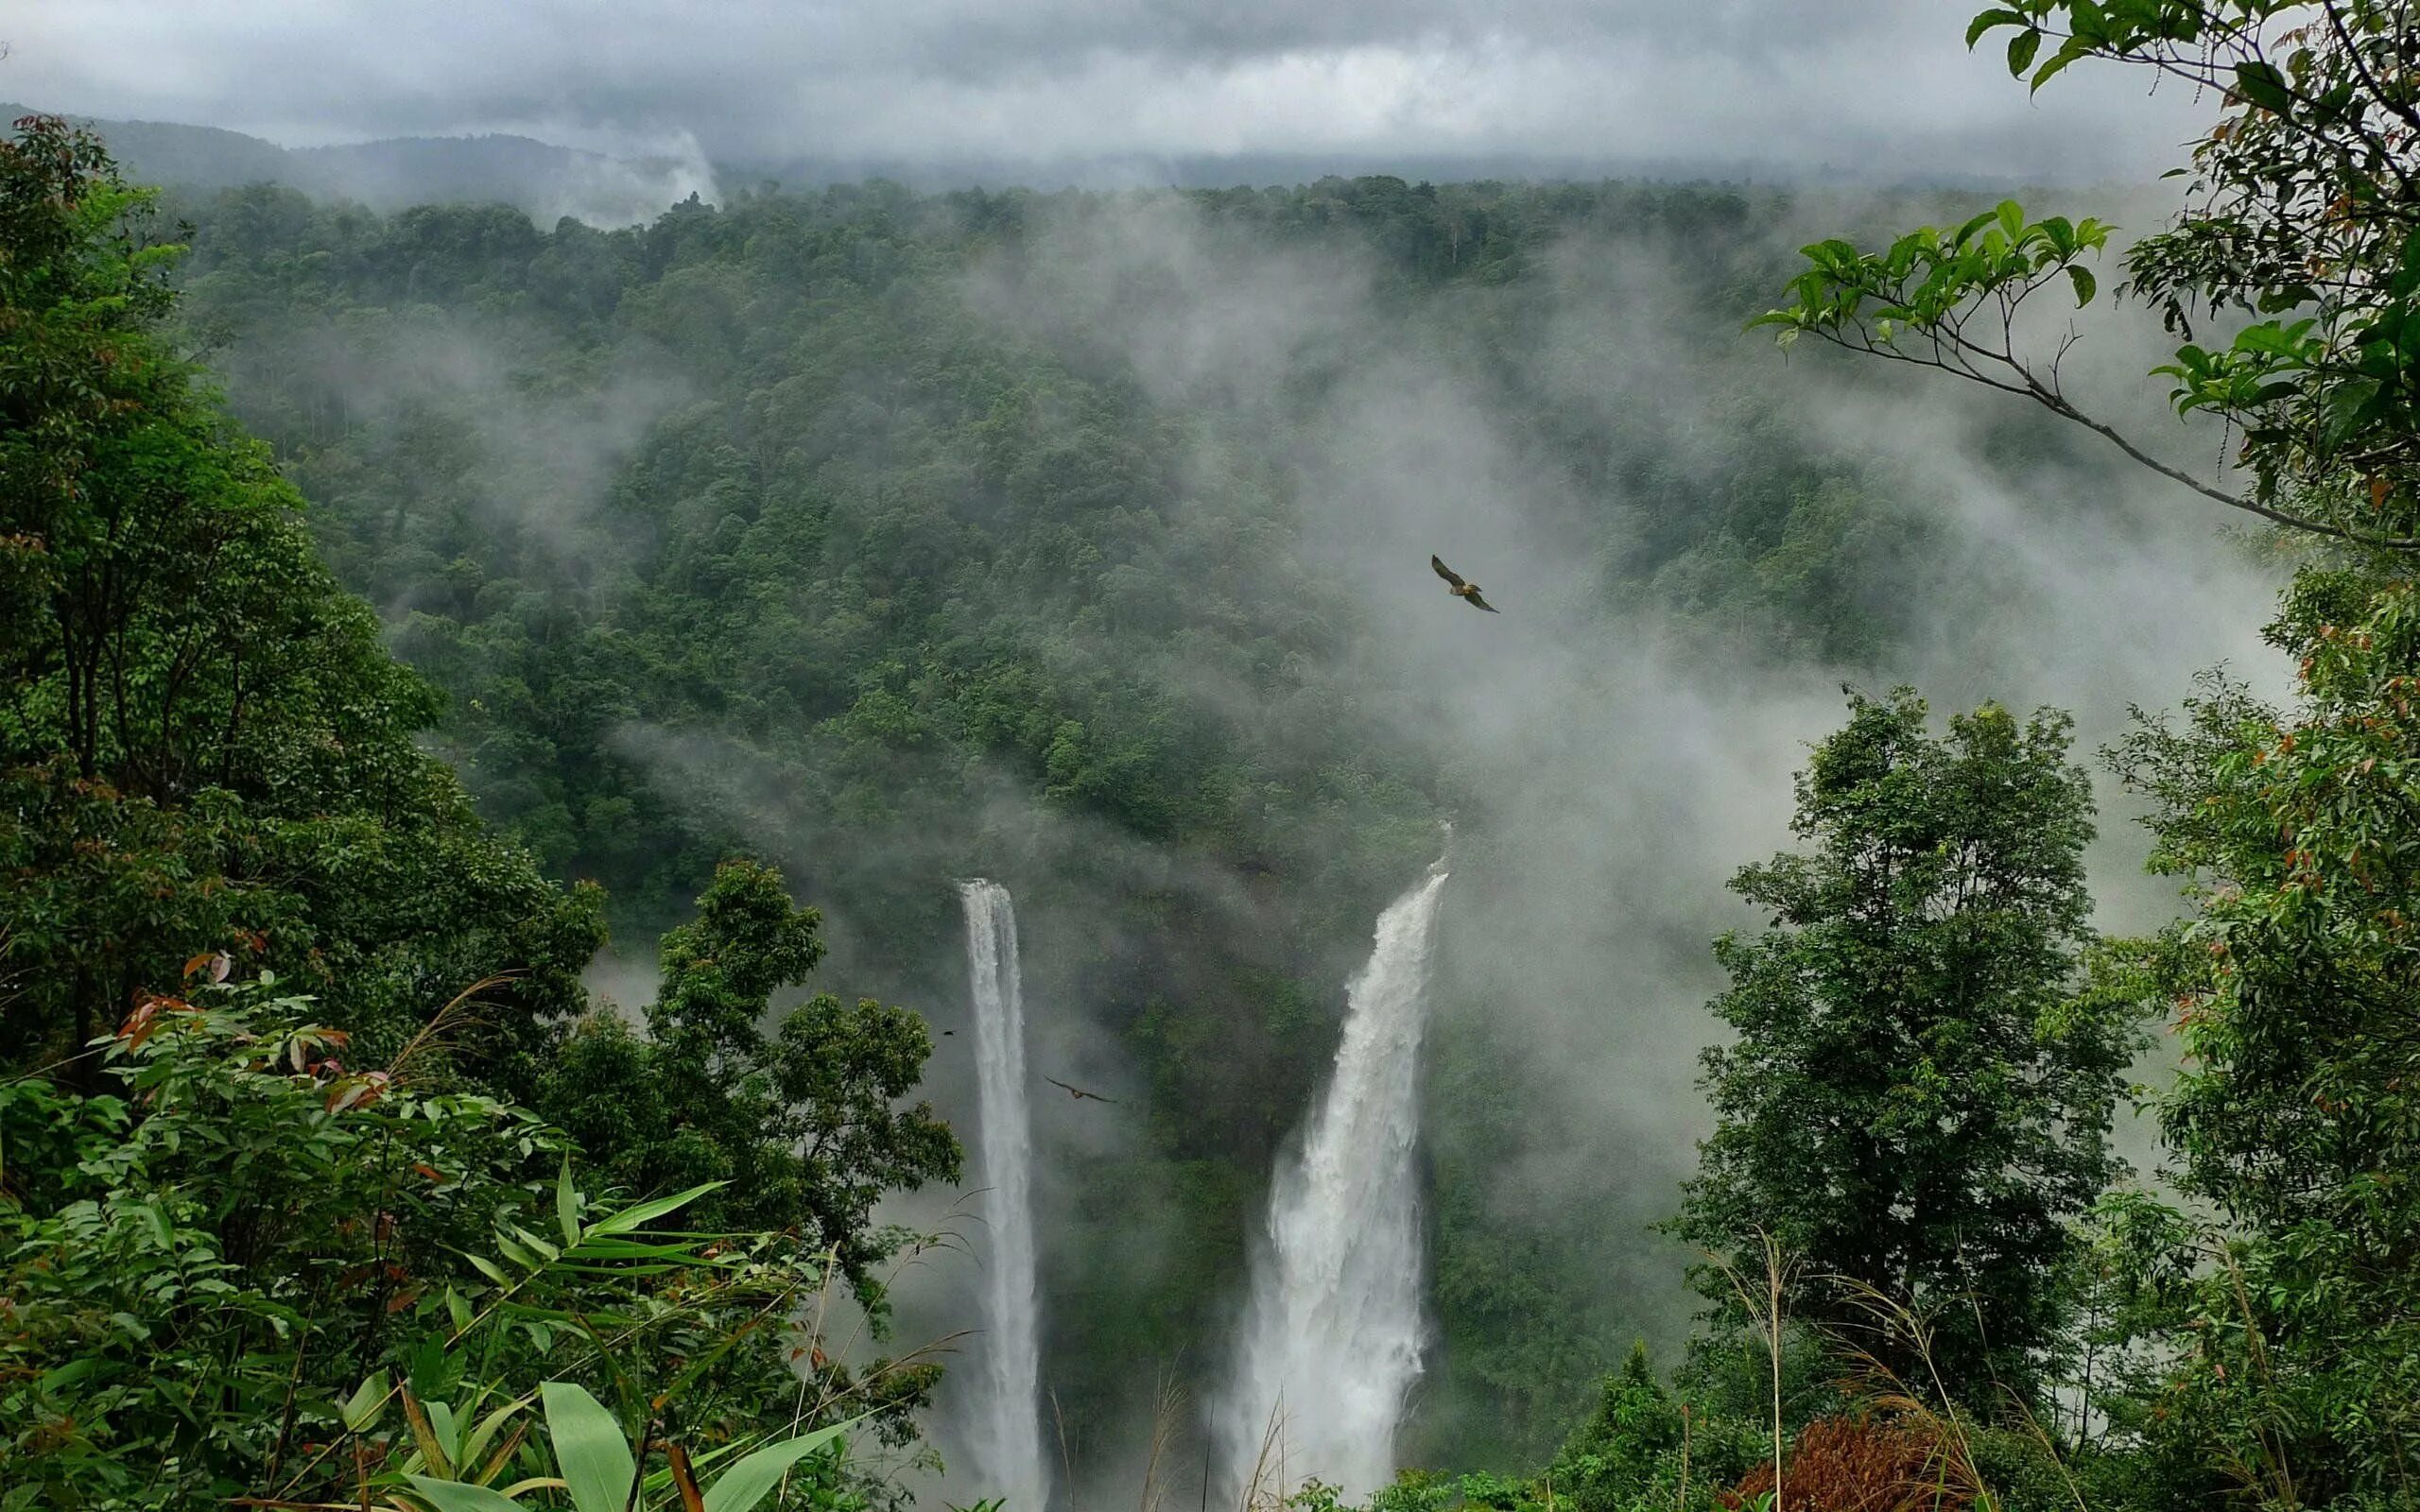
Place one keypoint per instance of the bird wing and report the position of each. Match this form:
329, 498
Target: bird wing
1477, 602
1443, 571
1078, 1093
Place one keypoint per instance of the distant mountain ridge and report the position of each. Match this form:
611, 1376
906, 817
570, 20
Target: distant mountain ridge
549, 182
541, 179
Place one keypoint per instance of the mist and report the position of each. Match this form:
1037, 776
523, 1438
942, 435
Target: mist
1610, 749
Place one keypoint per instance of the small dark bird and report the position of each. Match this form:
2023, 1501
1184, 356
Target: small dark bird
1467, 591
946, 1033
1078, 1093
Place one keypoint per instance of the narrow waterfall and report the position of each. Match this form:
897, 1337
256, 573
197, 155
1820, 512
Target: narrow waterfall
1006, 1439
1333, 1332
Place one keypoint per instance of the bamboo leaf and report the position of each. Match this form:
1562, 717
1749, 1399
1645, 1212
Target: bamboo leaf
454, 1496
645, 1212
567, 1206
740, 1488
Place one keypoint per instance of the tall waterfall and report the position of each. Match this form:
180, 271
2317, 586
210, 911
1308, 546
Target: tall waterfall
1332, 1337
1007, 1429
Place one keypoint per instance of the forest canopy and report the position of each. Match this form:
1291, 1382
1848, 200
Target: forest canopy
404, 614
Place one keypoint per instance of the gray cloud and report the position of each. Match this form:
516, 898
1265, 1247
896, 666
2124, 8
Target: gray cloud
1869, 87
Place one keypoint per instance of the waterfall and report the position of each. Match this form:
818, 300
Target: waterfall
1332, 1335
1007, 1429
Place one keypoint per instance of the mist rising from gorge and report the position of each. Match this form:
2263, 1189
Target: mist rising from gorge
1611, 747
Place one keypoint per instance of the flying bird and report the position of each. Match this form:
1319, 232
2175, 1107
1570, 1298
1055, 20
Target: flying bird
1460, 589
1078, 1093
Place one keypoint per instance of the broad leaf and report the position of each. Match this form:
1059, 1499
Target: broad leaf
361, 1409
590, 1452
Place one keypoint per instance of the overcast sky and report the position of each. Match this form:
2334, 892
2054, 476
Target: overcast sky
1875, 87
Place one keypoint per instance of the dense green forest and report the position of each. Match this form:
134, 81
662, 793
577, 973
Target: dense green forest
403, 610
876, 522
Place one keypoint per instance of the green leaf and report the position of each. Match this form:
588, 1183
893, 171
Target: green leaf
484, 1434
361, 1408
2057, 64
590, 1452
2261, 84
454, 1496
487, 1268
2082, 278
2273, 339
567, 1206
549, 1250
745, 1484
645, 1212
2021, 49
1988, 20
449, 1431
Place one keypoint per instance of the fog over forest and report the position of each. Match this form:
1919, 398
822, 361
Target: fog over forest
846, 456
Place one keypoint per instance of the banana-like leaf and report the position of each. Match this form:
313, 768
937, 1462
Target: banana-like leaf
590, 1451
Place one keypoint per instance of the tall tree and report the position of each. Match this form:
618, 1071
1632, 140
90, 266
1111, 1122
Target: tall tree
2286, 1347
804, 1122
2293, 1357
202, 741
1914, 1104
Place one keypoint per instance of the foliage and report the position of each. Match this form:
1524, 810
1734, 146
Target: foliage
801, 1125
867, 526
221, 1279
2293, 1332
1647, 1446
2300, 216
202, 738
602, 1472
1913, 1104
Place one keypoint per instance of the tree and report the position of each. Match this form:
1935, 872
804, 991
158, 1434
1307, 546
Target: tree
2291, 1333
803, 1123
2279, 1351
202, 740
255, 1269
2302, 214
1914, 1106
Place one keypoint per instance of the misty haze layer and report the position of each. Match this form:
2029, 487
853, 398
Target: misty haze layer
1080, 541
1017, 85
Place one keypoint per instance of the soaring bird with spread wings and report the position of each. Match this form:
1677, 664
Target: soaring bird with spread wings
1078, 1093
1466, 592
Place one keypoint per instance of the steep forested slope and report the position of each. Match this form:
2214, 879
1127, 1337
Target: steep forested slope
906, 537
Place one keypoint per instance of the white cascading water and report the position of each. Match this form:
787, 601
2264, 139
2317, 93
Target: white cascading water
1333, 1333
1006, 1438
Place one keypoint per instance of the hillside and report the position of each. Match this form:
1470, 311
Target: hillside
902, 538
540, 179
